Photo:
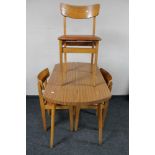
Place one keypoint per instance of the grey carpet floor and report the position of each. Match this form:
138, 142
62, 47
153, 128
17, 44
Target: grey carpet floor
85, 140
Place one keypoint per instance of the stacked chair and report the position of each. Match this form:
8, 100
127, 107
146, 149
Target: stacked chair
73, 43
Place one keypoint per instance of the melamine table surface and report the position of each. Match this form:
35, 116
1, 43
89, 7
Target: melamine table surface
77, 87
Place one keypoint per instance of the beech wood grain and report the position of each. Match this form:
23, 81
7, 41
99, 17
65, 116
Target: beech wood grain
78, 11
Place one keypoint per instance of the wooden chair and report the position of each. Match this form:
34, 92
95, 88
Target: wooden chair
67, 42
101, 109
44, 105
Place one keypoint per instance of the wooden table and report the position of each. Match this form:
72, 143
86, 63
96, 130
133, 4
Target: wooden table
78, 86
78, 89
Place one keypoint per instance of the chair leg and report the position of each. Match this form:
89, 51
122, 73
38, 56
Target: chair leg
71, 117
94, 69
65, 59
92, 64
52, 125
77, 117
105, 109
61, 60
95, 64
100, 123
43, 115
92, 56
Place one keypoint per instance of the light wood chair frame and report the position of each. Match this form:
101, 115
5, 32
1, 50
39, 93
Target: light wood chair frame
101, 109
42, 82
79, 12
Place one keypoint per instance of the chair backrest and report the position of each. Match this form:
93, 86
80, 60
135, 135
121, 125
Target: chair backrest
79, 12
42, 81
42, 76
108, 78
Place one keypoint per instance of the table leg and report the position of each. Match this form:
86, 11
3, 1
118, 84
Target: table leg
71, 117
106, 105
52, 125
100, 123
77, 117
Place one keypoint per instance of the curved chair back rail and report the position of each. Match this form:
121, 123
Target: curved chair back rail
108, 78
42, 82
42, 77
79, 12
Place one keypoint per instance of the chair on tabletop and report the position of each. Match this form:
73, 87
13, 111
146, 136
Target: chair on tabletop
73, 43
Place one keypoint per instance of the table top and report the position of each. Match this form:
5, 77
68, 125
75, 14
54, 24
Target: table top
80, 37
78, 86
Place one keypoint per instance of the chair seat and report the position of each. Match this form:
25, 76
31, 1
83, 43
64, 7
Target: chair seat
79, 38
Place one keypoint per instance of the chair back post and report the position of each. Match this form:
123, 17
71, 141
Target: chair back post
42, 81
94, 25
40, 88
